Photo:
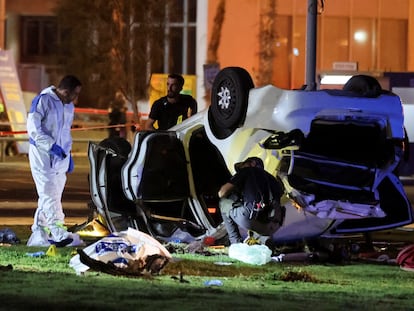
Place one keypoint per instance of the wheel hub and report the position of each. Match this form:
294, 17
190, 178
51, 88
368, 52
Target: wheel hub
225, 97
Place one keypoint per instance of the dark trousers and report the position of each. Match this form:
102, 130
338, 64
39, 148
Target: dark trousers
240, 216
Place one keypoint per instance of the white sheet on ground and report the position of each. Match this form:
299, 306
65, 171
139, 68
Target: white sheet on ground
119, 248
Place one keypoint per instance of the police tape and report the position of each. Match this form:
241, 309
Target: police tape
137, 127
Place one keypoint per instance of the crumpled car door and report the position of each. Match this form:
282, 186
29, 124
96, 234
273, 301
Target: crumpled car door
155, 177
346, 168
106, 159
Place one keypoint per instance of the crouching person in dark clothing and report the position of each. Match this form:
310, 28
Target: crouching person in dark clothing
251, 200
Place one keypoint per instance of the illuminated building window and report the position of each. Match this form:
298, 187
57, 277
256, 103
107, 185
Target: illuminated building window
180, 48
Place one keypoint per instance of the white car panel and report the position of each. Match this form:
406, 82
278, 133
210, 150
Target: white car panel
337, 154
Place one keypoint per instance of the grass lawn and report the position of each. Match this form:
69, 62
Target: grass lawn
48, 283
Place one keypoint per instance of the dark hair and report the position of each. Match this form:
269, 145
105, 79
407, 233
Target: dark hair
177, 77
69, 82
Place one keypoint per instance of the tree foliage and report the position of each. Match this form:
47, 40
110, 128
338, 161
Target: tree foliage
267, 37
112, 45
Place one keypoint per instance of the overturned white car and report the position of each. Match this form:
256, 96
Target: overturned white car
337, 153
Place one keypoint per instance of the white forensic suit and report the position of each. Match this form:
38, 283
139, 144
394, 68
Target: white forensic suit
49, 122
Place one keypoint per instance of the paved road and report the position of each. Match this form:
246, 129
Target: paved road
18, 198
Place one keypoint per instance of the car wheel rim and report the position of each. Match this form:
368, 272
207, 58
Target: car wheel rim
225, 98
226, 101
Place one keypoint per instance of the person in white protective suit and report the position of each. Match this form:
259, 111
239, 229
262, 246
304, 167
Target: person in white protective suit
49, 128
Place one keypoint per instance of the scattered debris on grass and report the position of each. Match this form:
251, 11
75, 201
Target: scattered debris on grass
8, 236
180, 278
294, 276
213, 283
6, 268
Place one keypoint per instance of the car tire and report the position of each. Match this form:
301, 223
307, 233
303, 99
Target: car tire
364, 85
229, 98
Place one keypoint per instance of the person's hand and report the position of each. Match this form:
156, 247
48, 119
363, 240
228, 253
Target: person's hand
71, 165
57, 151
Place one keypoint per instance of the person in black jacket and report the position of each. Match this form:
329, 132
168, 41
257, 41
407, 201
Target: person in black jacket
251, 200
